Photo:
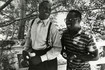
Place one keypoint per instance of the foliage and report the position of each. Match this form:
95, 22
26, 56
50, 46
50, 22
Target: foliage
6, 59
93, 17
4, 63
92, 12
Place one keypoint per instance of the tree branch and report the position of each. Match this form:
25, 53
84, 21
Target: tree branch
7, 3
6, 23
93, 9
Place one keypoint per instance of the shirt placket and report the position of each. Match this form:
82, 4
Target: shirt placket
38, 33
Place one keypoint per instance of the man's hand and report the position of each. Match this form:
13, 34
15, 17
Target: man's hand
35, 60
32, 54
26, 55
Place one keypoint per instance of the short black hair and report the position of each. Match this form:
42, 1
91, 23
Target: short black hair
42, 4
76, 13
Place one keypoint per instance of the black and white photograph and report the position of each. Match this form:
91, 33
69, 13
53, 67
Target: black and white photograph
52, 34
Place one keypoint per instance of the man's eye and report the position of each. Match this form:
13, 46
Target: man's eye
68, 25
70, 19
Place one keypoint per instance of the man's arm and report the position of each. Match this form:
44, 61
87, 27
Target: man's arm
92, 51
28, 37
63, 51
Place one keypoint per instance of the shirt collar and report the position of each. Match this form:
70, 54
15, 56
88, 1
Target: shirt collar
80, 31
44, 21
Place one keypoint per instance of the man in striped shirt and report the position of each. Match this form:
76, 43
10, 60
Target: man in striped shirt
77, 47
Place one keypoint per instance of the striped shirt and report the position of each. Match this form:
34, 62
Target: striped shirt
77, 47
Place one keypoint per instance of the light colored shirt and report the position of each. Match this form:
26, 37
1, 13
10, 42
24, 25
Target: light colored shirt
38, 33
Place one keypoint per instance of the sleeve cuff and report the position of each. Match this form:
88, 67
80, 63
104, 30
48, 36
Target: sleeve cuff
44, 58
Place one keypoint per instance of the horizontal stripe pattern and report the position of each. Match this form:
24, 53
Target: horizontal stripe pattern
76, 46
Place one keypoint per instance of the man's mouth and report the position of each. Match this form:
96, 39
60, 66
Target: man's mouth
46, 13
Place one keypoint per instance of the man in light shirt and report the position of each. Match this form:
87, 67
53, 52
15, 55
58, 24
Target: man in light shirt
45, 40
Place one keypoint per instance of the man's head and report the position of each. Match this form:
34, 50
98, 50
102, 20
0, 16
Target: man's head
44, 10
73, 20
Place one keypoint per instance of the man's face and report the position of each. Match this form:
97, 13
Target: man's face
44, 11
73, 23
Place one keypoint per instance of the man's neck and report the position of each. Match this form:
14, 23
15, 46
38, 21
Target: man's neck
74, 33
45, 20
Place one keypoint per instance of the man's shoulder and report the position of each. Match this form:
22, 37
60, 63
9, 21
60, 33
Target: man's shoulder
33, 19
86, 36
65, 32
53, 26
65, 35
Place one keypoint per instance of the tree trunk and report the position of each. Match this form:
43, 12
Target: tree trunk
22, 22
